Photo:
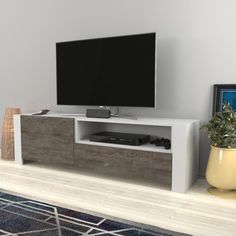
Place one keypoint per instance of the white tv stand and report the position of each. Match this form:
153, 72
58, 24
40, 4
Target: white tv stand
184, 135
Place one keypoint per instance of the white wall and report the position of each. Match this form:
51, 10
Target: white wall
196, 49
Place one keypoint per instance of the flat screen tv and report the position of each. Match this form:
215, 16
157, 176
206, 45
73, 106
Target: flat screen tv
112, 71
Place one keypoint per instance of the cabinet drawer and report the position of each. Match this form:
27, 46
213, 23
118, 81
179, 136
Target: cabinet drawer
47, 139
125, 162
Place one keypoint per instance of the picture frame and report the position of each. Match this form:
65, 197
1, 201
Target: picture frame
222, 93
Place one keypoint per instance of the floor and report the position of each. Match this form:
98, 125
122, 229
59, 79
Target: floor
197, 212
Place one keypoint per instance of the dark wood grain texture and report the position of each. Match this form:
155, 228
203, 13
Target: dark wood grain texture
51, 140
47, 139
125, 162
47, 125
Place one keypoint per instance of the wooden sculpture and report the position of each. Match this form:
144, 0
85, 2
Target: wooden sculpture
7, 147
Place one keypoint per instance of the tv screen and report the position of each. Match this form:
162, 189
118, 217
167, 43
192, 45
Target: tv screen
114, 71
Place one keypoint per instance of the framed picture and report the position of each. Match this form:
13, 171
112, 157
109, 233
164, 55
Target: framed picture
224, 93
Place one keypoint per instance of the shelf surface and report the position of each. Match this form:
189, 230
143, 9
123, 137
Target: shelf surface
145, 147
139, 121
118, 120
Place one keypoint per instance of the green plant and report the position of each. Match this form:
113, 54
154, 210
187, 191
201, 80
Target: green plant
221, 129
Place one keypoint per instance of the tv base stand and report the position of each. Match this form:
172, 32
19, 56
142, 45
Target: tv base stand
58, 139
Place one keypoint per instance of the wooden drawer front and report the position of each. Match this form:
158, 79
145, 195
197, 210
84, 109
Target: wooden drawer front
48, 144
125, 162
47, 155
47, 125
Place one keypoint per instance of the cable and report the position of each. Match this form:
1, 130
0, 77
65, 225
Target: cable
117, 112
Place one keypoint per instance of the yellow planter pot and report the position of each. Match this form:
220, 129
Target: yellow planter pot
221, 168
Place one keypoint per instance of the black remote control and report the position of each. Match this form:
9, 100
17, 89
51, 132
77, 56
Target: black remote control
43, 112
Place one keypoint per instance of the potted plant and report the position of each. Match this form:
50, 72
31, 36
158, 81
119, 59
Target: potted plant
221, 168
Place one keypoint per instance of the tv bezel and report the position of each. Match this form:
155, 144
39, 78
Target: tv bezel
103, 105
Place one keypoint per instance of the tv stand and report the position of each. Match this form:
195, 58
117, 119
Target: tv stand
55, 138
117, 114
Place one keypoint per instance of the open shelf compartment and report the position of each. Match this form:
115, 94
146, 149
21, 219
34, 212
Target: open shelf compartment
84, 129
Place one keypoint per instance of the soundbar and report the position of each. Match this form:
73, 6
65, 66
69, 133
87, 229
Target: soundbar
98, 113
120, 138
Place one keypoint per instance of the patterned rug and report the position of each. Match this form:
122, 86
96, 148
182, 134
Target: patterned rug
21, 216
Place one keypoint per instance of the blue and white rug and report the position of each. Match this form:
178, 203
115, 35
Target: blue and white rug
24, 217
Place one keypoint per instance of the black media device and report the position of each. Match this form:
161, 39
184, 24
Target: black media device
112, 71
98, 113
120, 138
162, 142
